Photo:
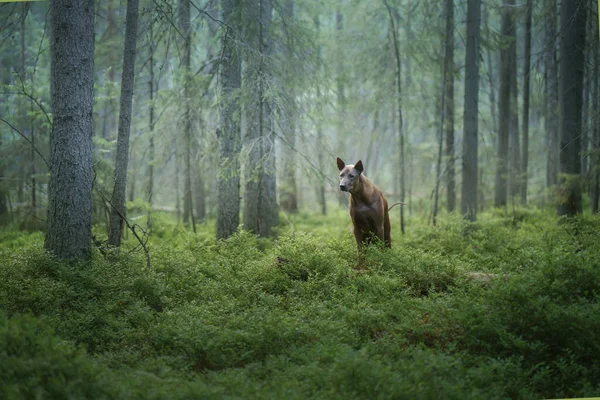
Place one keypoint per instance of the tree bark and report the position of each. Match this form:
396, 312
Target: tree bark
526, 84
184, 22
260, 207
595, 159
320, 139
72, 98
501, 184
288, 197
127, 82
572, 49
438, 165
228, 185
514, 177
550, 66
399, 110
448, 112
4, 215
151, 151
470, 153
491, 80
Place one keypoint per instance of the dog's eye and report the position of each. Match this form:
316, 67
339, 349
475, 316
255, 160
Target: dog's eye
351, 176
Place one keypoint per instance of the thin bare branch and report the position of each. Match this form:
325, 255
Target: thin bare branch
28, 141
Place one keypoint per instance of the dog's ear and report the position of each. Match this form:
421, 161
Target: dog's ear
359, 167
340, 164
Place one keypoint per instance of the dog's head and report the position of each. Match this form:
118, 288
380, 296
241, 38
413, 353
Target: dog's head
349, 175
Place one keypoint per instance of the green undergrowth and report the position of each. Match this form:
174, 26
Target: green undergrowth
291, 319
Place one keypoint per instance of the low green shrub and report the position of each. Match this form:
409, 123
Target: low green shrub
291, 318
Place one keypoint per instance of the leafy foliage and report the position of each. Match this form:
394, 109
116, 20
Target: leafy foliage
250, 318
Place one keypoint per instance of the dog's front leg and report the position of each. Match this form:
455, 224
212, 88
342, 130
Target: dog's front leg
359, 236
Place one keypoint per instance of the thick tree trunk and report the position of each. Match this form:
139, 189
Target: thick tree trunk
525, 116
550, 66
72, 98
572, 48
228, 185
470, 153
448, 112
399, 109
504, 97
118, 196
260, 207
289, 189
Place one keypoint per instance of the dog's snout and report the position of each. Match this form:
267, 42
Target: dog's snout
343, 188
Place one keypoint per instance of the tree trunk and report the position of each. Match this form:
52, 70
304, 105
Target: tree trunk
448, 112
585, 136
438, 165
514, 177
289, 188
491, 80
470, 162
399, 109
110, 35
320, 139
504, 97
184, 22
27, 120
177, 179
595, 159
526, 81
341, 98
550, 66
131, 170
4, 211
199, 189
72, 98
572, 48
228, 185
260, 207
151, 155
127, 82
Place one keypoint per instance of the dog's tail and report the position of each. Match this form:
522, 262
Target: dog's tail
395, 204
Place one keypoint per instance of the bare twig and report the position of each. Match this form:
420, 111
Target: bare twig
131, 228
28, 141
33, 98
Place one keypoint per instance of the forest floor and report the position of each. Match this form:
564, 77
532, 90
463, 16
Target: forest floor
290, 318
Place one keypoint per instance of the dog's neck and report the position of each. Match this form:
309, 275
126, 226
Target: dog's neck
362, 192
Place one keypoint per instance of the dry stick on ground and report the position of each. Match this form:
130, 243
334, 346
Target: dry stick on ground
131, 228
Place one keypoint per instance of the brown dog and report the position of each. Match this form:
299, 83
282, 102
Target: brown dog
368, 207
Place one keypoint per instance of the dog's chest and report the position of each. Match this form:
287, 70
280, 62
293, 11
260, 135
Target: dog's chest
364, 216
